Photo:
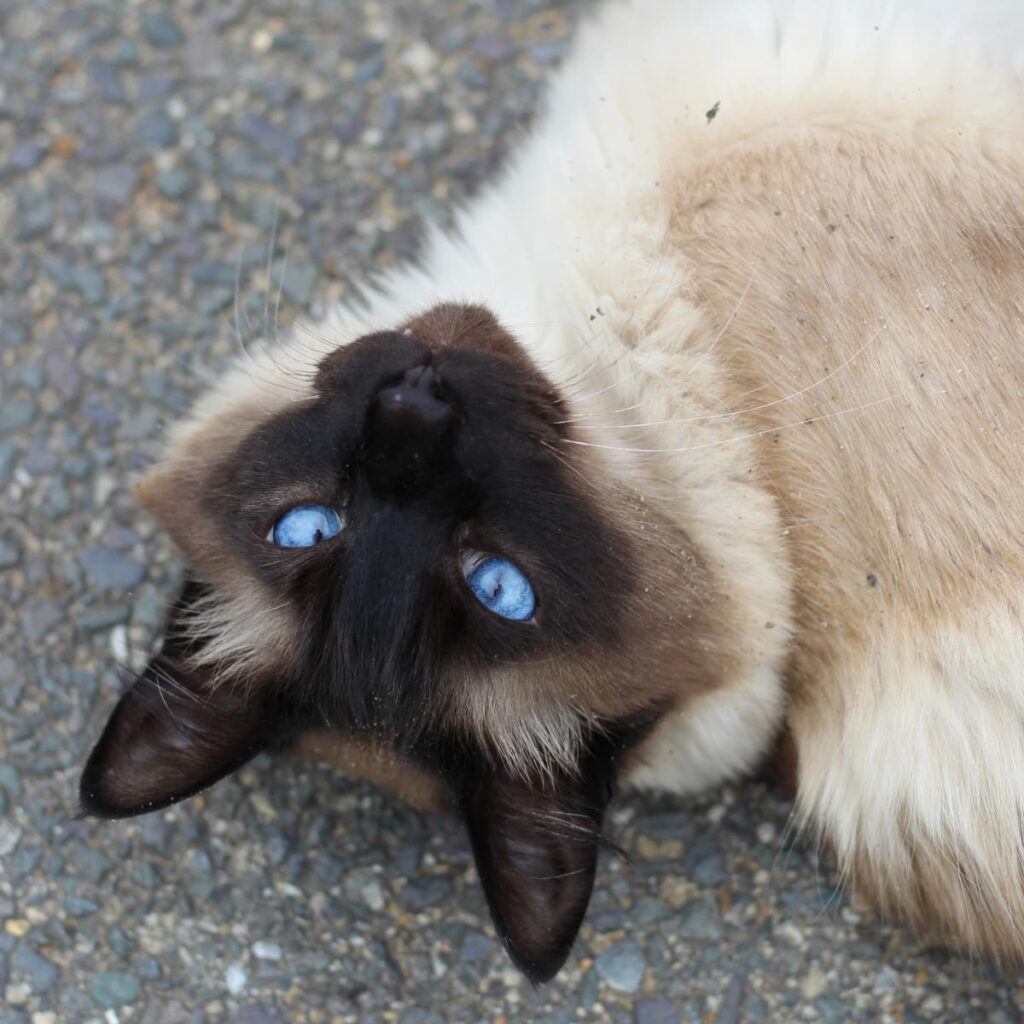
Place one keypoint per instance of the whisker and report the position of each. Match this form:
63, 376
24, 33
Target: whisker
731, 440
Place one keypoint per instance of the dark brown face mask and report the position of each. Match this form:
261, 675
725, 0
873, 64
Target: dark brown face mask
426, 451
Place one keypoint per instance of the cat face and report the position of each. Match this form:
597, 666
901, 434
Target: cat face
408, 554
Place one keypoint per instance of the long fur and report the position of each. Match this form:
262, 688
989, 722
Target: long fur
773, 252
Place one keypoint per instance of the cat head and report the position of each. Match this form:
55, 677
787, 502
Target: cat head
403, 549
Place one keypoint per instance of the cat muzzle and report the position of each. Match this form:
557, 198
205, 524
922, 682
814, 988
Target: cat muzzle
409, 433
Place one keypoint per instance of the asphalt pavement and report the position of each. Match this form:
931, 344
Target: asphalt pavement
176, 180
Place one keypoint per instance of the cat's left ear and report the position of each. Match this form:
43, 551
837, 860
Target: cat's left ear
171, 734
536, 847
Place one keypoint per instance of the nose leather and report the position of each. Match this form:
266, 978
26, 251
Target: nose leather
409, 435
417, 399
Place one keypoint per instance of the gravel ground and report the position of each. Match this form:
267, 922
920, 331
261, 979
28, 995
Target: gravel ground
155, 162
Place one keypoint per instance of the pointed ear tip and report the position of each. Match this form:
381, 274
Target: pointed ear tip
540, 972
90, 803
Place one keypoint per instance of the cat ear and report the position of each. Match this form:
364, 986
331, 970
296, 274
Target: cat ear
536, 851
170, 735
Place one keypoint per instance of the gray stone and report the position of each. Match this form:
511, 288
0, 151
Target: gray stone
34, 213
121, 538
150, 607
127, 52
548, 53
656, 1011
115, 185
476, 947
108, 81
90, 863
149, 968
39, 616
111, 989
58, 499
208, 272
420, 1015
155, 87
494, 47
7, 455
296, 280
31, 375
42, 973
215, 300
119, 942
259, 1014
271, 138
17, 413
174, 183
26, 155
700, 919
622, 966
710, 870
10, 555
158, 1011
417, 896
730, 1011
97, 620
40, 458
161, 30
10, 781
63, 375
145, 874
75, 906
265, 212
205, 57
89, 281
112, 570
156, 127
834, 1011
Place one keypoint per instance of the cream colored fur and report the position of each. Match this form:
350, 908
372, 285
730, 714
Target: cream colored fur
797, 327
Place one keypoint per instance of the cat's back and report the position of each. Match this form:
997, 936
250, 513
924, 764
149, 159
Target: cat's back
835, 188
861, 272
865, 290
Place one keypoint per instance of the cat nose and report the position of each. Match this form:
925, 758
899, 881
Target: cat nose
416, 401
409, 438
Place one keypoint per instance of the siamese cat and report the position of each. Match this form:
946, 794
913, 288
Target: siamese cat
700, 436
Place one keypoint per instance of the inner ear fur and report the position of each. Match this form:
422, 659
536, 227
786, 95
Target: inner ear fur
172, 733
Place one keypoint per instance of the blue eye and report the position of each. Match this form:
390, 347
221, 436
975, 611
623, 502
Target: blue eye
304, 526
500, 587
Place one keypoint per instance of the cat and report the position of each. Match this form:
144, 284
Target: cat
698, 438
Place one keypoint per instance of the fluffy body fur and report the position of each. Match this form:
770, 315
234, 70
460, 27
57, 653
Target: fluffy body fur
772, 253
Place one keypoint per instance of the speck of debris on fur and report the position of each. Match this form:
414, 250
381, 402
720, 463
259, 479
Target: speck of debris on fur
713, 112
872, 580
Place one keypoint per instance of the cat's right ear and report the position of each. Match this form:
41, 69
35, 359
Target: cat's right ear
172, 733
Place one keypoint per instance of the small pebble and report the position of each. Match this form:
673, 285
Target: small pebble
42, 972
174, 183
622, 966
114, 988
266, 950
161, 30
656, 1011
156, 128
112, 570
235, 979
